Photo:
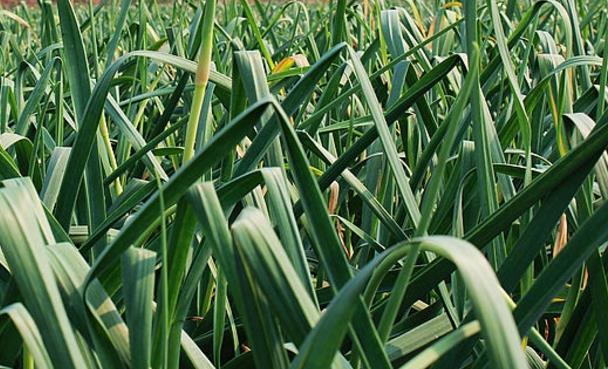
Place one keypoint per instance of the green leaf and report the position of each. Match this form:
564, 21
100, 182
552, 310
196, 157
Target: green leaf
24, 232
138, 289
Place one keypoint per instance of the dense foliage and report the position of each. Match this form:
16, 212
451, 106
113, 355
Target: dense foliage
360, 184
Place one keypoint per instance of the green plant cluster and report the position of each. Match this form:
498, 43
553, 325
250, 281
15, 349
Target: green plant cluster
353, 184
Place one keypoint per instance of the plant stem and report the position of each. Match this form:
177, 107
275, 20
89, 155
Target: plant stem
200, 80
